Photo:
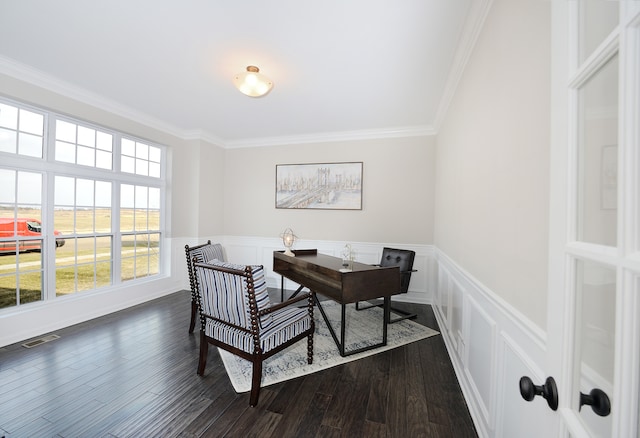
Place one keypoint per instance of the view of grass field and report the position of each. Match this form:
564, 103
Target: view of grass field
82, 263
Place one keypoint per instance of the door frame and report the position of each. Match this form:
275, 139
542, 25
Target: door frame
562, 301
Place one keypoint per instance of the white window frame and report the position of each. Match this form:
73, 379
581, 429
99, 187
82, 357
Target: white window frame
49, 167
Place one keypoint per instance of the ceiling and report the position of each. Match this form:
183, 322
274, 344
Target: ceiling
341, 69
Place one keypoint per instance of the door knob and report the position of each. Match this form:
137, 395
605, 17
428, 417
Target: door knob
598, 400
549, 391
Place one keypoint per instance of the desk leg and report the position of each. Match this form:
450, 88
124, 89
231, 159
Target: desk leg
386, 319
340, 343
293, 295
342, 328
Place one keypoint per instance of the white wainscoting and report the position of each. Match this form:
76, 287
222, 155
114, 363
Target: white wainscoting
491, 346
259, 250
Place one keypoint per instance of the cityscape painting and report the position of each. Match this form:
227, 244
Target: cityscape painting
328, 186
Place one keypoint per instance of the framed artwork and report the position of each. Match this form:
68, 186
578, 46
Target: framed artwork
321, 186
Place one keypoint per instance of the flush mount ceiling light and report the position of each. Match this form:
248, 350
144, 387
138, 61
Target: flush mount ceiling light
252, 82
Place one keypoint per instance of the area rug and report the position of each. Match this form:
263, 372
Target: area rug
363, 327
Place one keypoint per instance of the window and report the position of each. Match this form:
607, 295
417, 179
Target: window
21, 131
83, 145
21, 268
140, 158
76, 223
140, 228
82, 215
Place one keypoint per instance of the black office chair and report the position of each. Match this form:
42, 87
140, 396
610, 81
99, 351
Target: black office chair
403, 258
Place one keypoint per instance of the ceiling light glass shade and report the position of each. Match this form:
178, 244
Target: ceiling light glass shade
252, 82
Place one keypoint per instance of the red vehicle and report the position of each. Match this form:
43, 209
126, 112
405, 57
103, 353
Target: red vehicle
23, 227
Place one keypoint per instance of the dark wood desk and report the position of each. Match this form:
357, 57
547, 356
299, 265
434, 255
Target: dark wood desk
327, 276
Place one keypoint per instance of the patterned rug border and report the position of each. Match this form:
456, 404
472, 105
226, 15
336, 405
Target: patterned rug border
291, 362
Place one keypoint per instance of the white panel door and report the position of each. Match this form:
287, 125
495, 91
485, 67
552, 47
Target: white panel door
594, 275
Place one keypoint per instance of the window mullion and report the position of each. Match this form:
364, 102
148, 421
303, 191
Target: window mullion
117, 235
49, 260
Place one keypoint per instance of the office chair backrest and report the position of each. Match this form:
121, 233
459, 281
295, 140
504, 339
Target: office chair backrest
403, 258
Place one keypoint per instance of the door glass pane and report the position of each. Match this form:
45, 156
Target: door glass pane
596, 293
597, 157
598, 19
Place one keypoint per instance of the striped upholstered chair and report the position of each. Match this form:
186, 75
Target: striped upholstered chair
236, 315
201, 253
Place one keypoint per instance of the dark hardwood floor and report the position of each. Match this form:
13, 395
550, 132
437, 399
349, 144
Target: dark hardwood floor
133, 373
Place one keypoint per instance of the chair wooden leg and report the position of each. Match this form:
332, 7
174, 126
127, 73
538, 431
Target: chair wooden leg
310, 349
204, 350
194, 312
256, 379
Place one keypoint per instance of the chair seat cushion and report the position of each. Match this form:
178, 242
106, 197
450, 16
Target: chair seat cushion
286, 324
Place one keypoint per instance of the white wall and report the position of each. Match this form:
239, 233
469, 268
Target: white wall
398, 184
492, 166
491, 220
197, 189
210, 190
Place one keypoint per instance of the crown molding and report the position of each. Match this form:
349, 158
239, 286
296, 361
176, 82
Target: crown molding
328, 137
201, 135
38, 78
472, 27
48, 82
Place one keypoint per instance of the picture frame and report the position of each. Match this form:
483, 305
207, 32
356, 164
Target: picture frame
319, 186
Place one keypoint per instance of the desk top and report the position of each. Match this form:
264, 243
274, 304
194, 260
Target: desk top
322, 273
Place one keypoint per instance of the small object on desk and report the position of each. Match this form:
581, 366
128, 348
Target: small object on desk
347, 258
288, 238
